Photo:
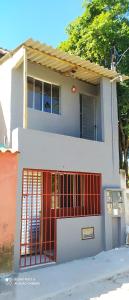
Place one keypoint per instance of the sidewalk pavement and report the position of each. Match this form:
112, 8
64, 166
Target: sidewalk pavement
56, 280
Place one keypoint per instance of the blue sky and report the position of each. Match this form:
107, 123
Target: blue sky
43, 20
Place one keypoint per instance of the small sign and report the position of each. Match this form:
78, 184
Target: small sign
87, 233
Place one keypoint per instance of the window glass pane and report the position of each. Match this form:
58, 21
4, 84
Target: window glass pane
55, 99
38, 95
47, 97
30, 92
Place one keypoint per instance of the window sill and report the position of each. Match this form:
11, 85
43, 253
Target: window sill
44, 112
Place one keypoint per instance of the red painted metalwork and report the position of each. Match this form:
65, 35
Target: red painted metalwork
46, 196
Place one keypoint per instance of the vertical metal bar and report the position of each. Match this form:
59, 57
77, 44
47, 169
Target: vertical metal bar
55, 222
90, 197
92, 203
54, 241
70, 200
93, 194
21, 231
34, 222
100, 187
50, 239
89, 211
31, 227
45, 215
97, 194
48, 221
81, 194
37, 223
59, 192
41, 215
87, 193
77, 202
67, 193
96, 200
26, 221
63, 196
57, 195
84, 197
74, 195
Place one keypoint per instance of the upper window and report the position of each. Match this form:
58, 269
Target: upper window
43, 96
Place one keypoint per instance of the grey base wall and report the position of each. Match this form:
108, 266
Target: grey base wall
70, 245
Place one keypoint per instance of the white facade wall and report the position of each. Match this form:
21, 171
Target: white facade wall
17, 98
5, 102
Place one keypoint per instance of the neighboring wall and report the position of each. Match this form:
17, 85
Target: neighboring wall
8, 182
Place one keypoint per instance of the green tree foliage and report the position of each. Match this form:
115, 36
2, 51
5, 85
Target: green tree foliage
104, 24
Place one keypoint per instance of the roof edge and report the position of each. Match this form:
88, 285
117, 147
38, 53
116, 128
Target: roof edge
58, 53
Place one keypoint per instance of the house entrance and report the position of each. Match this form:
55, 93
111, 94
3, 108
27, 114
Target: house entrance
46, 196
38, 226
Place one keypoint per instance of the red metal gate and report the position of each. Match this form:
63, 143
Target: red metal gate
46, 196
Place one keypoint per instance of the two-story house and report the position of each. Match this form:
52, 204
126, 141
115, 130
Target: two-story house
60, 112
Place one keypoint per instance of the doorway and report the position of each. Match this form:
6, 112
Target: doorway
38, 223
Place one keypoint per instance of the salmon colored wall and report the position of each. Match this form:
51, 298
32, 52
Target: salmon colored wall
8, 182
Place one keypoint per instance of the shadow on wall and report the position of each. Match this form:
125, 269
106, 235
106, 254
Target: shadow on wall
3, 128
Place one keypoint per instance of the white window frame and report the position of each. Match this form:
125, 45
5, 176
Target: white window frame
51, 84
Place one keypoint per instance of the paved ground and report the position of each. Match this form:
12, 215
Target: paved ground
113, 288
105, 276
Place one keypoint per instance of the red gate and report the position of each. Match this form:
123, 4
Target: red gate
46, 196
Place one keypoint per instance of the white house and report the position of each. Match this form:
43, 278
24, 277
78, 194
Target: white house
60, 112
